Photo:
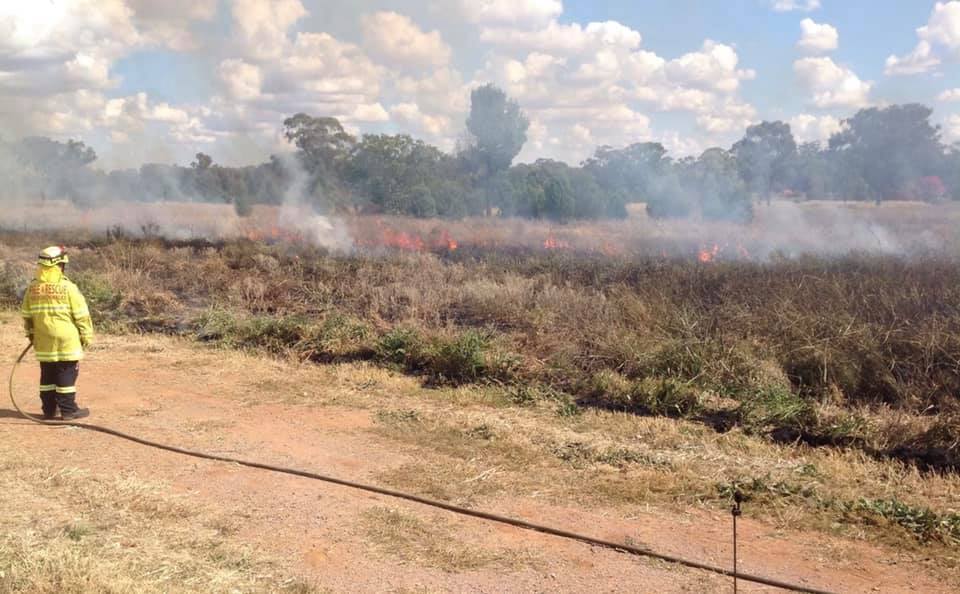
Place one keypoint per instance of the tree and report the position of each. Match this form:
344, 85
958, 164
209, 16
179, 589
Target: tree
712, 185
810, 172
203, 162
57, 169
631, 174
764, 156
890, 147
324, 149
320, 139
396, 174
498, 130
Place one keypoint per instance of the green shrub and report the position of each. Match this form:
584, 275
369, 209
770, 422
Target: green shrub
925, 524
460, 359
651, 395
776, 408
401, 346
274, 334
467, 357
101, 297
337, 337
665, 396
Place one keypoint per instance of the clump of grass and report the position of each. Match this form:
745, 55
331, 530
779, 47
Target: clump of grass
465, 357
402, 347
335, 337
532, 394
482, 431
777, 409
650, 395
432, 544
398, 417
765, 489
924, 524
12, 283
580, 454
462, 358
102, 299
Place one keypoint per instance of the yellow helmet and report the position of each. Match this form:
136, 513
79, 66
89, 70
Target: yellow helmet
53, 255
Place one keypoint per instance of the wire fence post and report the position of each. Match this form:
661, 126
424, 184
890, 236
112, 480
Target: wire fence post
735, 512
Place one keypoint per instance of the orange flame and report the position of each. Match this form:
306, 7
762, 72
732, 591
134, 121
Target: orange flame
552, 243
390, 238
707, 255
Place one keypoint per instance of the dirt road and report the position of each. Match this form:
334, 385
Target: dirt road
333, 538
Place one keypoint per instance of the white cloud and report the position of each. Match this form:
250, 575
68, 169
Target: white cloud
832, 85
713, 68
683, 99
394, 39
572, 133
728, 117
511, 12
442, 91
949, 95
168, 22
582, 84
939, 39
680, 145
791, 5
415, 121
920, 60
278, 74
244, 81
817, 38
262, 25
943, 27
55, 62
573, 38
951, 128
811, 128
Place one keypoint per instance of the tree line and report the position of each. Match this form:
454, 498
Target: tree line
879, 154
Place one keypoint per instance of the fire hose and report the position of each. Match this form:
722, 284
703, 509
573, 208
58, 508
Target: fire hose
625, 548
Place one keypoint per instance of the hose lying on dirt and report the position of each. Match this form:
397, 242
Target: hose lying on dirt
415, 498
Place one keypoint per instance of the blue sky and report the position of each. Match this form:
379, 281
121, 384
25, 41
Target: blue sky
147, 81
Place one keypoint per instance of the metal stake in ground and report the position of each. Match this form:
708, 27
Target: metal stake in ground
735, 512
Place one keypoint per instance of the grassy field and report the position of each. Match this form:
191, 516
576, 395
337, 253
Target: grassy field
860, 350
818, 376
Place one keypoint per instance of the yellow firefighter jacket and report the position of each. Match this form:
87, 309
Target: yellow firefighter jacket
56, 317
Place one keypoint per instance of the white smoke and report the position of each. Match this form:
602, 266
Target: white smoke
298, 213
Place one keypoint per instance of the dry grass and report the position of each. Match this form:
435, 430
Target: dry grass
856, 351
471, 453
484, 446
73, 532
433, 544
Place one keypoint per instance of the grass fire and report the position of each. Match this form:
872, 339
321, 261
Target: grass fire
846, 363
479, 296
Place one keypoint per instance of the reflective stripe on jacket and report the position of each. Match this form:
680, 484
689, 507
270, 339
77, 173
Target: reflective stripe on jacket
55, 315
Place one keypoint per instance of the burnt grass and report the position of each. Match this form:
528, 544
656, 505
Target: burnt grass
858, 351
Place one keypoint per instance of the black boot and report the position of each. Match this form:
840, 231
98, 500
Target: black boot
80, 413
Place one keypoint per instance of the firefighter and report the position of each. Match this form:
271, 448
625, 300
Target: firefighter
58, 323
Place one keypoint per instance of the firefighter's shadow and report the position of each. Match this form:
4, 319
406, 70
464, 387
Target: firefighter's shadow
12, 414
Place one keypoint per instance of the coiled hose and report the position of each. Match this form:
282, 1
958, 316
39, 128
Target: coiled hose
642, 552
